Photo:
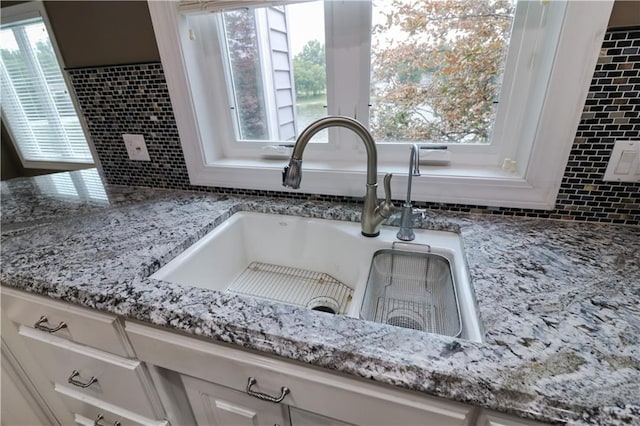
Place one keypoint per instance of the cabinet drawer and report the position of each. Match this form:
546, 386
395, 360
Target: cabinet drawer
100, 412
113, 379
83, 326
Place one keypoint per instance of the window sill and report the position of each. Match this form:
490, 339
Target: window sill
57, 165
468, 185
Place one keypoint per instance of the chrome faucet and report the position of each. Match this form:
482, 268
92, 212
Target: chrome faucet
406, 222
373, 214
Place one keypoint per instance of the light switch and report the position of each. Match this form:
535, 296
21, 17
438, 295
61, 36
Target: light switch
136, 147
624, 164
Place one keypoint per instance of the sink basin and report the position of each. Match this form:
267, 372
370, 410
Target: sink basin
412, 289
320, 264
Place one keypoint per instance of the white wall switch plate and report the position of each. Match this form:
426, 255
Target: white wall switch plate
136, 147
624, 164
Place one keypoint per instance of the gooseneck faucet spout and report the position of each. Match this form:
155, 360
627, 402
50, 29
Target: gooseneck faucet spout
373, 214
405, 233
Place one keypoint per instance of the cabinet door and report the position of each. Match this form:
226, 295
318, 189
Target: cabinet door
19, 407
215, 405
305, 418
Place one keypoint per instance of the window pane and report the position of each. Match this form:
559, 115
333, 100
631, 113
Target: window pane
277, 69
244, 60
309, 64
35, 101
437, 68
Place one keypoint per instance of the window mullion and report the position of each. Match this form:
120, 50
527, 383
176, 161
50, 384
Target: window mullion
348, 41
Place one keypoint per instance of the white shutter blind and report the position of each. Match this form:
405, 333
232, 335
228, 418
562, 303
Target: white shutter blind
36, 105
200, 6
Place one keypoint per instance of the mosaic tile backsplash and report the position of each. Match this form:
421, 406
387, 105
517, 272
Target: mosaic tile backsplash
135, 99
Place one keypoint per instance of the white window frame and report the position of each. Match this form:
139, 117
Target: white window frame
31, 10
539, 159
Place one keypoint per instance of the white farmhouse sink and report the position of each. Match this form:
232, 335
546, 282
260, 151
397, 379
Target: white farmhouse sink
321, 264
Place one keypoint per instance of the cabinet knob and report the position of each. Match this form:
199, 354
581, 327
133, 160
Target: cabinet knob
43, 319
284, 391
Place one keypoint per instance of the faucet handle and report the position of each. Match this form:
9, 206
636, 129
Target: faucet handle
387, 188
385, 208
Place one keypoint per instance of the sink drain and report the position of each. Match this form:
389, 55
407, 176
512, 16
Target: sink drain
323, 304
405, 318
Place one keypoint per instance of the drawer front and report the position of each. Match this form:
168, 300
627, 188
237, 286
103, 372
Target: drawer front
80, 420
113, 379
99, 412
79, 325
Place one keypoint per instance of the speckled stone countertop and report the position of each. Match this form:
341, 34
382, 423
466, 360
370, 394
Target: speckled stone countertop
560, 301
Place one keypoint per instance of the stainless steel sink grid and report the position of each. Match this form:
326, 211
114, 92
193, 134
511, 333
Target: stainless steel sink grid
412, 290
294, 286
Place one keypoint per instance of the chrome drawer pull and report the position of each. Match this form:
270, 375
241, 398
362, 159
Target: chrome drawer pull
39, 325
78, 383
263, 396
100, 417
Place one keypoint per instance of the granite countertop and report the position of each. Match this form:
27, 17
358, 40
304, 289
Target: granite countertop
559, 301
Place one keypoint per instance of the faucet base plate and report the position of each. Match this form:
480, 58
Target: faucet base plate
370, 235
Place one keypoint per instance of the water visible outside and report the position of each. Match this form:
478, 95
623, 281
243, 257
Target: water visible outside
310, 110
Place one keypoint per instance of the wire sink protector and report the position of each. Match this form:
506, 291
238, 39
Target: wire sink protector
294, 286
412, 290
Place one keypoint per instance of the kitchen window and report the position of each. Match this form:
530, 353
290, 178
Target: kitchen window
516, 157
37, 108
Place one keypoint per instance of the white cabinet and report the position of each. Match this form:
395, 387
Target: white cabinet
110, 378
16, 394
221, 387
305, 418
100, 413
79, 362
217, 405
73, 365
63, 320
